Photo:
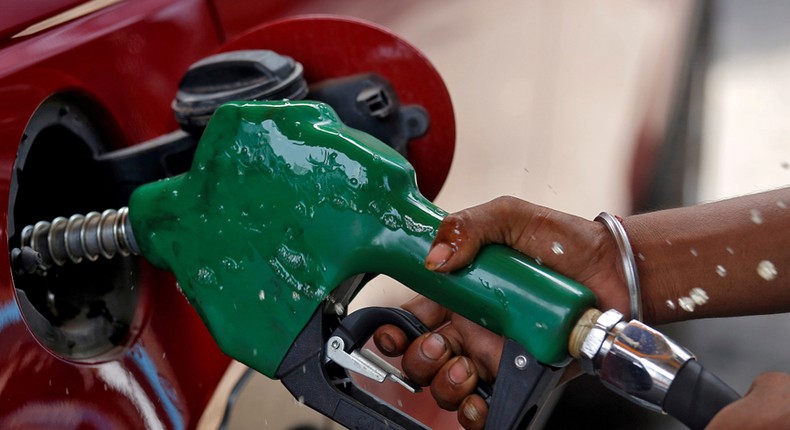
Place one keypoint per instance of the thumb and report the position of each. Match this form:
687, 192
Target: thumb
503, 220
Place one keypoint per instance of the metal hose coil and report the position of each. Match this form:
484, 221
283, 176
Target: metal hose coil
81, 237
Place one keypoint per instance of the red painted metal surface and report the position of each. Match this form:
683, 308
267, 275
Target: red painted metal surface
17, 16
127, 59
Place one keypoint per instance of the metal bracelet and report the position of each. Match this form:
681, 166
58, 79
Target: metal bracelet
629, 263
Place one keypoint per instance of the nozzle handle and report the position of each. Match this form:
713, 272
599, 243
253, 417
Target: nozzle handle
502, 290
697, 395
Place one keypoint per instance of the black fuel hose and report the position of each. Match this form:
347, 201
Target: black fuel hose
697, 395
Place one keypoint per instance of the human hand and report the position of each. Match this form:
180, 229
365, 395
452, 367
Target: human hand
765, 406
457, 352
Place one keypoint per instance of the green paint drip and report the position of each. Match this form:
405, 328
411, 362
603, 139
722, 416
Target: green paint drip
283, 202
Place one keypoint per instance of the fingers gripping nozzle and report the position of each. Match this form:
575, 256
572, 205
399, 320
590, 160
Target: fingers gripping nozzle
80, 237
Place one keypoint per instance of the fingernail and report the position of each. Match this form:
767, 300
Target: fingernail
438, 256
470, 412
433, 347
387, 343
460, 371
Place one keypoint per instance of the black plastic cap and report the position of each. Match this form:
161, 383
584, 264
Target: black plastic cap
232, 76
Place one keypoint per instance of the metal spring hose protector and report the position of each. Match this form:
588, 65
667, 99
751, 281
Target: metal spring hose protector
81, 237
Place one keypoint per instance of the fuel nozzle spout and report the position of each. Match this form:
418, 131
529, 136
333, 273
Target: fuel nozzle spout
648, 368
74, 239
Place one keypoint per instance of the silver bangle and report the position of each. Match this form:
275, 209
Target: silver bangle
629, 264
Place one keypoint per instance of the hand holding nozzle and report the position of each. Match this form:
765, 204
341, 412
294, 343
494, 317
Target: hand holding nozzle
584, 250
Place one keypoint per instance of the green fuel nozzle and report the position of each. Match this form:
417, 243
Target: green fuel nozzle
284, 202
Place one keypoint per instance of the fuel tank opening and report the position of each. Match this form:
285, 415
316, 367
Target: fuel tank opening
80, 312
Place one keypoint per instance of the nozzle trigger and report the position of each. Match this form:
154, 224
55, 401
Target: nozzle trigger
366, 363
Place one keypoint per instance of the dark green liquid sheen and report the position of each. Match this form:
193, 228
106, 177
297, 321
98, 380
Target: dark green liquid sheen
283, 202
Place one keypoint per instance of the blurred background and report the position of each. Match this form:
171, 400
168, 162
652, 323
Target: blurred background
582, 106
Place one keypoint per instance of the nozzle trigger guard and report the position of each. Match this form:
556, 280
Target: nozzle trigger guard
359, 326
312, 374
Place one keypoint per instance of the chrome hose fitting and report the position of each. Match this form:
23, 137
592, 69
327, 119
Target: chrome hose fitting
81, 237
631, 358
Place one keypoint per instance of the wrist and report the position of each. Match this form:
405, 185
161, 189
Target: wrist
658, 283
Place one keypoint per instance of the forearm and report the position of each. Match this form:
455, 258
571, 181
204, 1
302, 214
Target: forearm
719, 248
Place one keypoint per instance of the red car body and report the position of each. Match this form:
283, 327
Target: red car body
120, 62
